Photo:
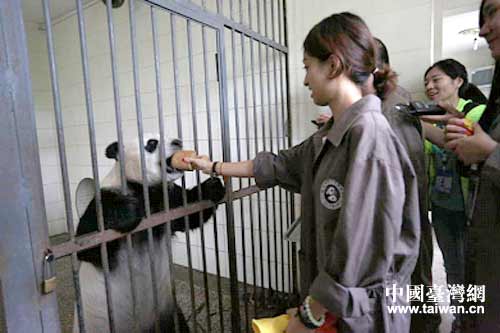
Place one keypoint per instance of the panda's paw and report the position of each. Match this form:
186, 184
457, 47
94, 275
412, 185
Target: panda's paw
124, 213
213, 189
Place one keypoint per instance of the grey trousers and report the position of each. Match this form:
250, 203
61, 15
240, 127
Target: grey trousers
449, 227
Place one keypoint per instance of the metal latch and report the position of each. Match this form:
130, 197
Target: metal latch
49, 273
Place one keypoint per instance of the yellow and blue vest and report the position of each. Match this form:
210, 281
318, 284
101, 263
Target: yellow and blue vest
446, 161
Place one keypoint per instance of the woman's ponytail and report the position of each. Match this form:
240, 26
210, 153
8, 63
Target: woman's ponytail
384, 80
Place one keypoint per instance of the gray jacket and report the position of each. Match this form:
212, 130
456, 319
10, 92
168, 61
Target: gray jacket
409, 131
483, 257
360, 213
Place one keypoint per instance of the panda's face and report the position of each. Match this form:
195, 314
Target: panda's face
152, 158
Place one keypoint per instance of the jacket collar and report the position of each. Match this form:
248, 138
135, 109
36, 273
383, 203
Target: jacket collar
335, 131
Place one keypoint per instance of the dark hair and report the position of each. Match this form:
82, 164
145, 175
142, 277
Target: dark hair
382, 61
474, 94
382, 54
453, 69
481, 17
491, 111
346, 37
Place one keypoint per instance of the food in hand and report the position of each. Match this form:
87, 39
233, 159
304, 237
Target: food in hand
178, 160
468, 125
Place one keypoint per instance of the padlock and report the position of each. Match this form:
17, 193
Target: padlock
49, 273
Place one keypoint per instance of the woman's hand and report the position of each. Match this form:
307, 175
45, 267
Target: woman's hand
433, 133
455, 129
470, 149
201, 163
451, 112
323, 118
294, 323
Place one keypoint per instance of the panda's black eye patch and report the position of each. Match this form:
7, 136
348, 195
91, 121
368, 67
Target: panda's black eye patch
151, 145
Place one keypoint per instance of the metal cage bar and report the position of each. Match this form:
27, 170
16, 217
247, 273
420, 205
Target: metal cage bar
266, 191
119, 132
231, 242
188, 236
241, 12
91, 130
170, 286
264, 7
263, 116
259, 227
65, 178
238, 156
140, 128
254, 103
284, 134
198, 181
247, 141
280, 197
22, 210
294, 287
231, 8
211, 154
273, 190
214, 20
280, 102
184, 197
249, 183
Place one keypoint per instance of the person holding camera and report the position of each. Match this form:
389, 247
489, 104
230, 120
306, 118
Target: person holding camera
483, 149
360, 216
445, 82
408, 129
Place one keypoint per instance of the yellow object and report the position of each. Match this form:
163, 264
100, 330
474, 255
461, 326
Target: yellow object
270, 325
469, 124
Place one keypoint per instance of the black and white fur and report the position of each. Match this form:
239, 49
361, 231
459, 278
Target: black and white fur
123, 213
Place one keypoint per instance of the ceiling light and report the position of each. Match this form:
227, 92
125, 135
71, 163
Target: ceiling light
474, 32
469, 31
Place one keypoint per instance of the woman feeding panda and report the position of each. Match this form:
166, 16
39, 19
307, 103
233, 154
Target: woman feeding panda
359, 191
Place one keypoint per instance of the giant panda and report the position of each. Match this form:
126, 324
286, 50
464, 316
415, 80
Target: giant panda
123, 213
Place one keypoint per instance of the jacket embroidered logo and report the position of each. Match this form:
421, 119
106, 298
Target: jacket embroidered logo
331, 194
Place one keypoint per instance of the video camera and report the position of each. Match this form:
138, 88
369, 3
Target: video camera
414, 108
420, 108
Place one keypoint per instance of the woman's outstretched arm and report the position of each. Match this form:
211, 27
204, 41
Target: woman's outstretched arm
233, 169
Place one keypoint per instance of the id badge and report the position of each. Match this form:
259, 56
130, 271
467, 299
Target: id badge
443, 181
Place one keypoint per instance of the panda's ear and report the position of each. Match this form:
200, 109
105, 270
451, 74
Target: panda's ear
151, 145
112, 151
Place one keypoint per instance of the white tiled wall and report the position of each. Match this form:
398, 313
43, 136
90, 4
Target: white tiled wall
45, 121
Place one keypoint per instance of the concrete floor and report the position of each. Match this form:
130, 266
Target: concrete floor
66, 297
